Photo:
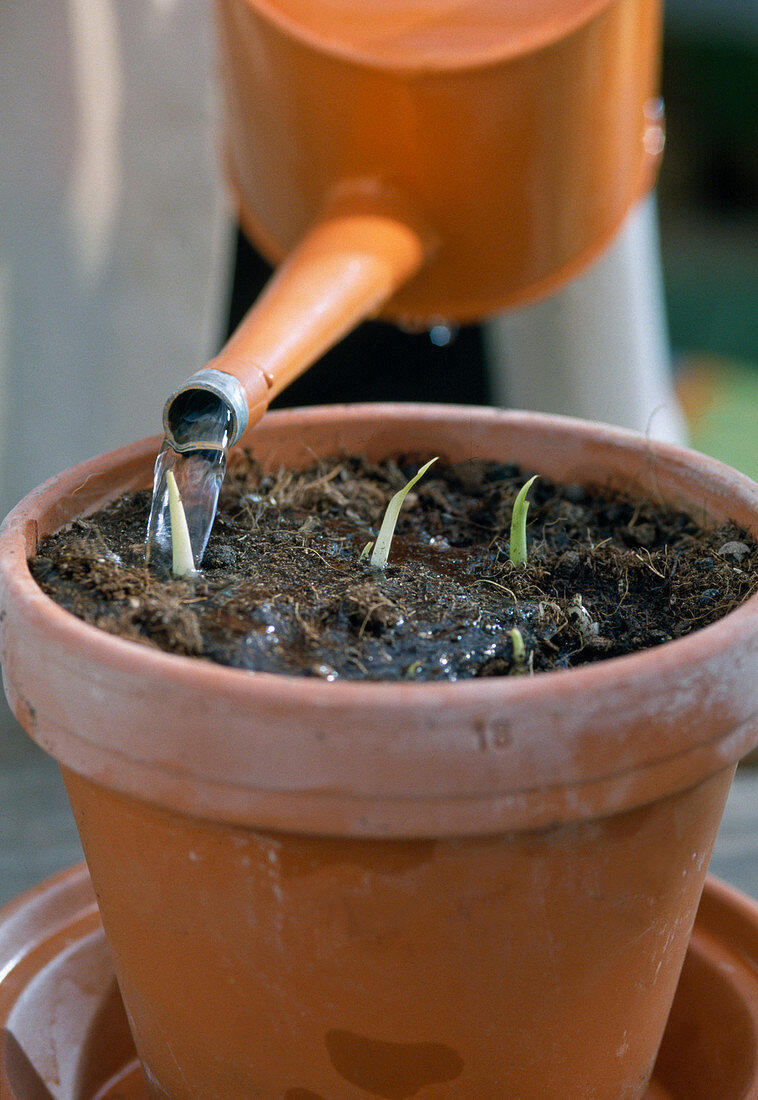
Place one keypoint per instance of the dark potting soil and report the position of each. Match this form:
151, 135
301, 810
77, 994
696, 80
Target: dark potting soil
283, 587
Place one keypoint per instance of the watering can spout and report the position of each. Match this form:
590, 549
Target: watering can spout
343, 271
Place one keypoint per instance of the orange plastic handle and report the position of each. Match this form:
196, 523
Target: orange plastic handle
342, 272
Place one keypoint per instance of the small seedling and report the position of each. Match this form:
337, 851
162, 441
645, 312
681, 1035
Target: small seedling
182, 563
519, 650
517, 553
579, 615
383, 542
521, 663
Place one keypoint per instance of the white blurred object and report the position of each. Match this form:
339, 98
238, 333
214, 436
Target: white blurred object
115, 240
599, 348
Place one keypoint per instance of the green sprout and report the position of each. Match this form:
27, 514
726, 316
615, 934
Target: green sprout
517, 552
183, 563
521, 662
383, 542
519, 650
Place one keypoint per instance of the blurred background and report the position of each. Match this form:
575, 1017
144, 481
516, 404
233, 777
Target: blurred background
708, 204
121, 272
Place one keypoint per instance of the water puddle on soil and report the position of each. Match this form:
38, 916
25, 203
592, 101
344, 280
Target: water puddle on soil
196, 452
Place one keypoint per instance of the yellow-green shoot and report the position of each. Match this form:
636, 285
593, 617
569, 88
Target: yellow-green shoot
517, 643
380, 553
517, 552
521, 663
183, 563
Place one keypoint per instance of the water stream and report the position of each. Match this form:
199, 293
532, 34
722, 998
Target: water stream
196, 452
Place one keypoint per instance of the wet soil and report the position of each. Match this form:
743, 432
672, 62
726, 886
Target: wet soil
283, 587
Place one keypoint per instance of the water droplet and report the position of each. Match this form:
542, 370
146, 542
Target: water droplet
324, 672
654, 134
442, 334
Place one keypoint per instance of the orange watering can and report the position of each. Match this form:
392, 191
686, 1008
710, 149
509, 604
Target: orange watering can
422, 160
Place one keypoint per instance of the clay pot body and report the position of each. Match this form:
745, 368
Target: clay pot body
56, 967
321, 891
515, 137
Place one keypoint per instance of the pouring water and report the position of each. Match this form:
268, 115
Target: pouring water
196, 451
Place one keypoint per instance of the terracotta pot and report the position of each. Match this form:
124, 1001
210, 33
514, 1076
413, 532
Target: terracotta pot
331, 890
65, 1032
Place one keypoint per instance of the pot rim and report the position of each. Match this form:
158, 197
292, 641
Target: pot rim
501, 721
674, 652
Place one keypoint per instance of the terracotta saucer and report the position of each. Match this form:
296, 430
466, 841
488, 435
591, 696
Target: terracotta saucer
65, 1035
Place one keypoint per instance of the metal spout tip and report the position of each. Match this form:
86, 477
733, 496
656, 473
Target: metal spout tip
207, 384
